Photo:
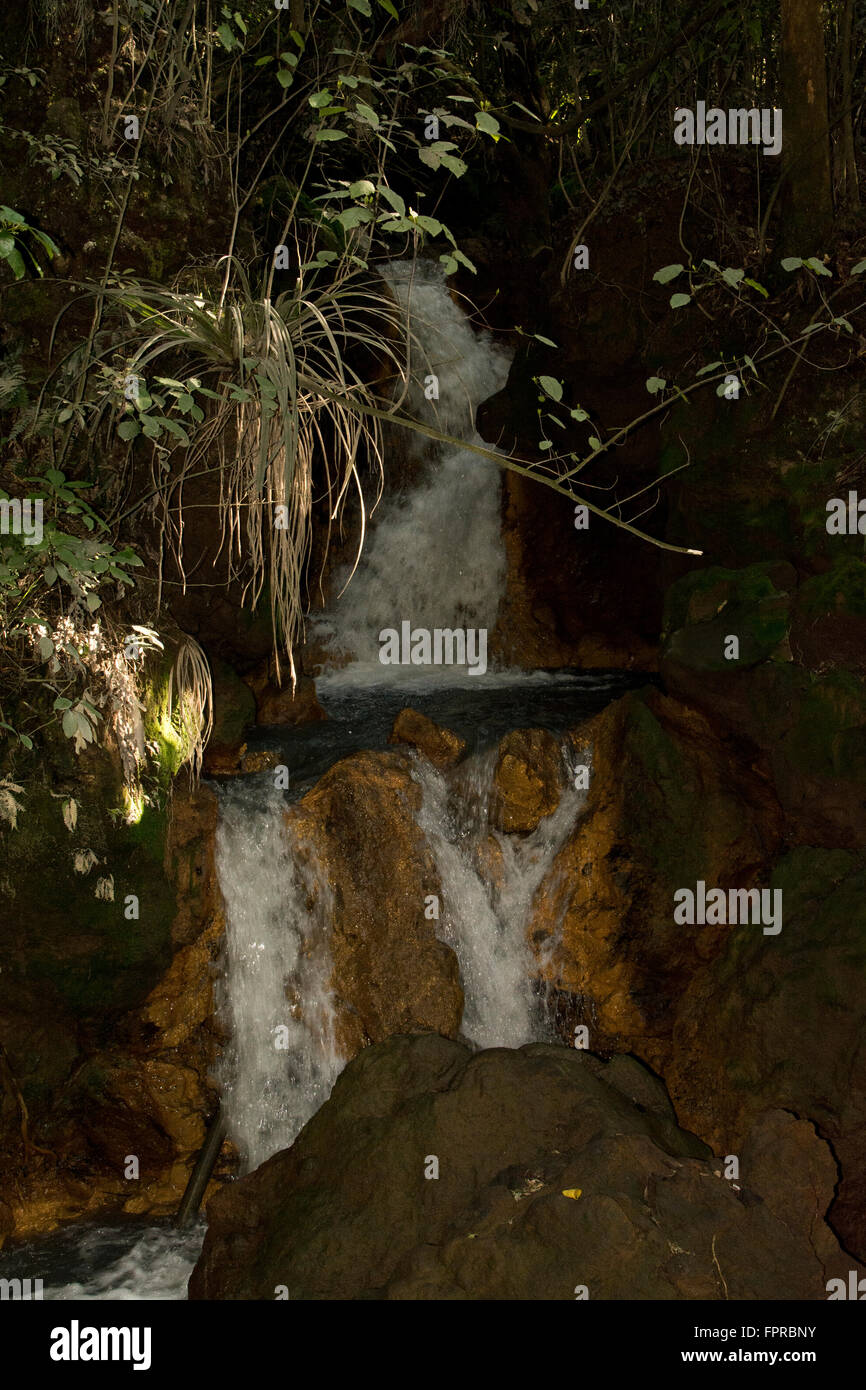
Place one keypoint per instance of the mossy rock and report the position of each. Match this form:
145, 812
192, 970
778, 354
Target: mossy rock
234, 704
707, 606
829, 732
679, 812
840, 589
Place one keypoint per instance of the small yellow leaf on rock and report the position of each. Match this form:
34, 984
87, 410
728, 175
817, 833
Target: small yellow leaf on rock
572, 1192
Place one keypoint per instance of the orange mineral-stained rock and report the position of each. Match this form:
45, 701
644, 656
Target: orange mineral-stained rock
668, 803
528, 780
390, 973
439, 746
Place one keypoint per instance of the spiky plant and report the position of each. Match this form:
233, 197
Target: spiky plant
289, 414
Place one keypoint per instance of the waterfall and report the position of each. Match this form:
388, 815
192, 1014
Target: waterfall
488, 882
435, 555
436, 559
281, 1060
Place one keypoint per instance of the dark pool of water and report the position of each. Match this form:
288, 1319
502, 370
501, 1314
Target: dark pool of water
479, 710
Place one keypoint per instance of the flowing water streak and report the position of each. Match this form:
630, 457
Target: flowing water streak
281, 1061
435, 555
487, 904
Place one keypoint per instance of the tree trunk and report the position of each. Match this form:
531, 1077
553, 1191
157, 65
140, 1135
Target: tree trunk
807, 198
850, 190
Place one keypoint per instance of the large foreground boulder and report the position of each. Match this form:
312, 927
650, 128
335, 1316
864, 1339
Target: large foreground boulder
542, 1173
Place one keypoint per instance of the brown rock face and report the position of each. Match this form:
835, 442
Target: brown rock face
279, 705
439, 746
528, 780
668, 804
391, 975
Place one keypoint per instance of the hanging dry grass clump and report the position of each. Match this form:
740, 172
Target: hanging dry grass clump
272, 399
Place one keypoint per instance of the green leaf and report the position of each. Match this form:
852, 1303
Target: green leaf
539, 338
321, 98
668, 272
450, 264
226, 36
710, 367
578, 414
367, 114
330, 135
354, 217
453, 165
792, 262
10, 254
545, 443
176, 429
393, 198
389, 8
489, 124
49, 574
551, 386
732, 277
128, 429
678, 300
818, 266
46, 648
594, 442
363, 188
362, 6
428, 224
858, 268
93, 602
756, 286
62, 703
285, 77
655, 384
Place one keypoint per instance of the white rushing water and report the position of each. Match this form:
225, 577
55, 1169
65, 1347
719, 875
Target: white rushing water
281, 1061
488, 882
435, 556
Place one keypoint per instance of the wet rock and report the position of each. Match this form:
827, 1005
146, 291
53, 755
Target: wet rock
669, 803
281, 705
550, 1177
391, 974
528, 780
190, 861
439, 746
